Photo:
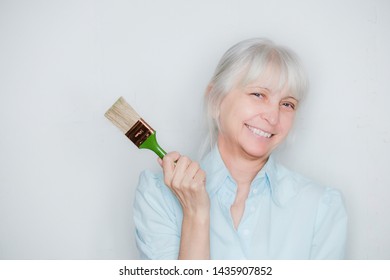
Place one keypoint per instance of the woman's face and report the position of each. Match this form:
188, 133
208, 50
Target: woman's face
254, 119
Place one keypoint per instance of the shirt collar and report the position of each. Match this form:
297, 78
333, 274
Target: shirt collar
215, 169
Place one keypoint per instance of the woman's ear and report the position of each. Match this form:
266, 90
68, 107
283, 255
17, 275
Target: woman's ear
211, 102
209, 89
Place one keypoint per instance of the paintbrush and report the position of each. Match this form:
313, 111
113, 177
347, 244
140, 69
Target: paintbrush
123, 116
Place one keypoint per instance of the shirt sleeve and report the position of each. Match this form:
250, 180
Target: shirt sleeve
156, 228
330, 230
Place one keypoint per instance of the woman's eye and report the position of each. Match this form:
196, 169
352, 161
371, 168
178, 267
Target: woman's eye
257, 94
289, 105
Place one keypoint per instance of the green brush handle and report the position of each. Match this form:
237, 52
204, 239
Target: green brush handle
151, 144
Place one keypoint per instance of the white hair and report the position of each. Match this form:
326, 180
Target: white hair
244, 63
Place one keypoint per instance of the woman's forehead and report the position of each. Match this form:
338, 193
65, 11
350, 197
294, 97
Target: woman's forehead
272, 77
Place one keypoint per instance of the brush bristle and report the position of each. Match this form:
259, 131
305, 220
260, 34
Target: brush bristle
122, 115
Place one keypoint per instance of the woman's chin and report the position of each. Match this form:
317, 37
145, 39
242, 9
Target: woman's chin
257, 152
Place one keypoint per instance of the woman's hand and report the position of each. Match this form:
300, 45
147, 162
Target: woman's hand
188, 182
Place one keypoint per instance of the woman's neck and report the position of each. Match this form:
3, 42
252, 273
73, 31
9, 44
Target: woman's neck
242, 167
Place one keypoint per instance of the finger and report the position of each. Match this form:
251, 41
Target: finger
168, 165
180, 171
182, 164
200, 177
172, 156
190, 173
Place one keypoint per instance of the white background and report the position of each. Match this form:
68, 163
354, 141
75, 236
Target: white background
67, 175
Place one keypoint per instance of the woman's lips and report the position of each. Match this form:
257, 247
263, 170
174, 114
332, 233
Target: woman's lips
259, 132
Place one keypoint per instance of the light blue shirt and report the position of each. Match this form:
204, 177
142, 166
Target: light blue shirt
286, 216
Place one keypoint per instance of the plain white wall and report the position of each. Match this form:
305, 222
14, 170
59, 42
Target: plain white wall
67, 175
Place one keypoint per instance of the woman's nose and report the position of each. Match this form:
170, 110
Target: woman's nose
271, 114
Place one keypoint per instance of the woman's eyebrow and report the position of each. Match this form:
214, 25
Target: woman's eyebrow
291, 97
258, 87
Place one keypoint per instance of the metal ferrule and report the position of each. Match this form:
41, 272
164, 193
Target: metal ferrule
139, 132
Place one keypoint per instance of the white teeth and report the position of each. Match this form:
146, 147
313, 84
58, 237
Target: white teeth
259, 132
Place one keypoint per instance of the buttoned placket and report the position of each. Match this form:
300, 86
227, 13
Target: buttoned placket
227, 197
246, 229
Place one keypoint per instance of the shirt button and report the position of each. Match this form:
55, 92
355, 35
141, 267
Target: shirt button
255, 191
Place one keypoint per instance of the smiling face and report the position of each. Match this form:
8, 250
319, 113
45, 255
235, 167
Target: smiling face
255, 118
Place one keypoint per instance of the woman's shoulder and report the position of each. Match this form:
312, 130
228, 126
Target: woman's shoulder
152, 192
150, 180
292, 184
152, 184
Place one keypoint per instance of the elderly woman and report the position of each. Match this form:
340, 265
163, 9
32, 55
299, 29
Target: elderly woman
239, 203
